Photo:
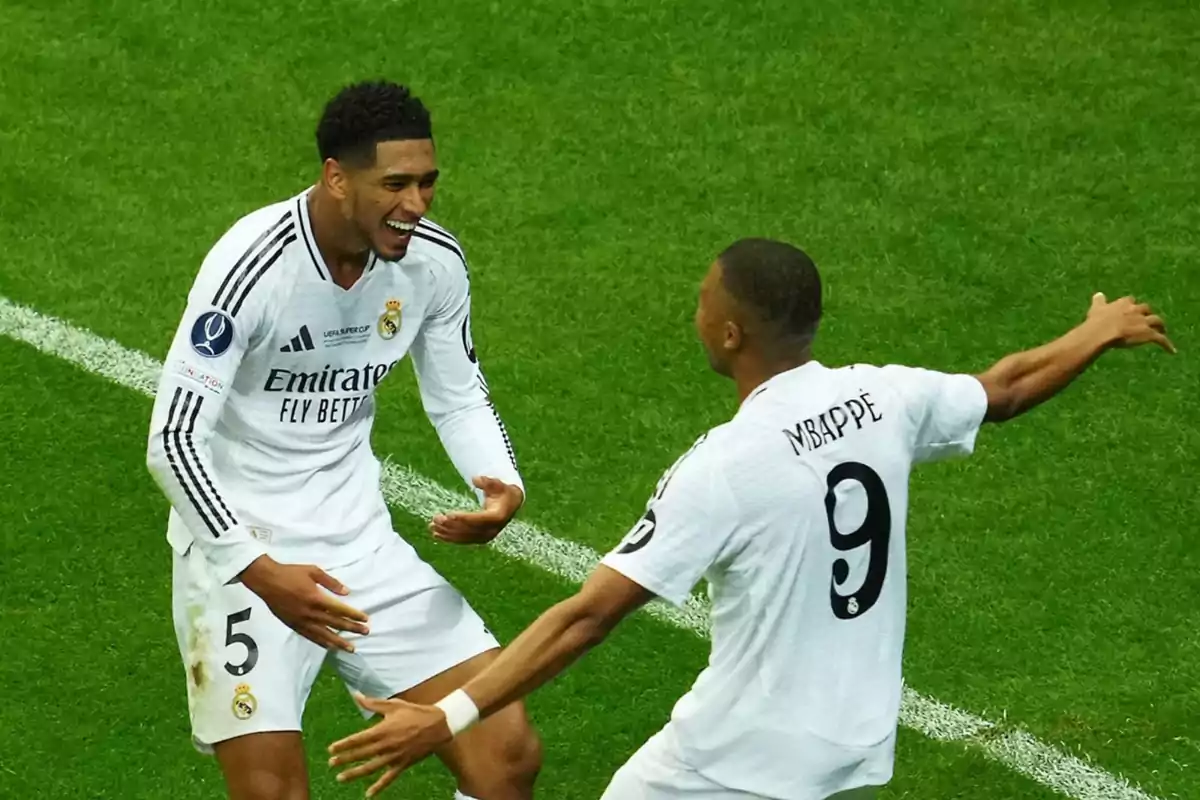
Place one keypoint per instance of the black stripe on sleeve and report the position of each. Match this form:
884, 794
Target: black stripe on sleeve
433, 226
200, 464
254, 246
444, 239
262, 271
188, 467
512, 456
275, 248
433, 229
171, 426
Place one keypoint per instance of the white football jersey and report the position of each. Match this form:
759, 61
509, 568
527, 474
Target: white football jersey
794, 511
260, 434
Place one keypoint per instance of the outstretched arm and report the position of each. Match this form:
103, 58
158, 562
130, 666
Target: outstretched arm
686, 526
557, 639
1018, 382
409, 733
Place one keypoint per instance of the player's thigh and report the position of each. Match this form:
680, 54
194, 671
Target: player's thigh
246, 672
656, 772
264, 766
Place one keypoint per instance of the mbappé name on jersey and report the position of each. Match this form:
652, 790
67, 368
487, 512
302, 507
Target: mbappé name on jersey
794, 511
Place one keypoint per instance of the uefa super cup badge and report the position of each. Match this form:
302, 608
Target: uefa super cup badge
244, 703
389, 320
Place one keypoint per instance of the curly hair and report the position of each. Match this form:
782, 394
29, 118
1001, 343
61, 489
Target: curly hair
362, 115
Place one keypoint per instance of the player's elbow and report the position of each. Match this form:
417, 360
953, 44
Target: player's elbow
447, 416
156, 454
590, 632
589, 624
1003, 397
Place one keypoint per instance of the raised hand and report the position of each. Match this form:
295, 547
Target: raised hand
501, 501
1129, 322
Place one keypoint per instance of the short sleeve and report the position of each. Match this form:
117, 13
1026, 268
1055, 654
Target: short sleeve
945, 410
686, 526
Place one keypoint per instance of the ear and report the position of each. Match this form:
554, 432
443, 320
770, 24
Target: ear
734, 336
334, 176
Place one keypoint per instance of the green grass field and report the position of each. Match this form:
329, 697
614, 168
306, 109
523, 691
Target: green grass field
965, 173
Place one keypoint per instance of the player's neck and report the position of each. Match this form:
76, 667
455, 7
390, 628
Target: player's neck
343, 253
753, 371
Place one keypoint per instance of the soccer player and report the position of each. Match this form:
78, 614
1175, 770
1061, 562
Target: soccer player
260, 438
794, 511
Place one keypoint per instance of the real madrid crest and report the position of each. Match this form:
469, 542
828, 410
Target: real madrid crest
389, 320
244, 703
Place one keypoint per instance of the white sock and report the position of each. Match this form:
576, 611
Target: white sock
461, 796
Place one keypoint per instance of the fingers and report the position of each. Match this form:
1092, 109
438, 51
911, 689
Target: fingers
1098, 300
384, 782
489, 485
338, 623
354, 747
331, 583
363, 770
465, 521
340, 609
465, 527
463, 537
359, 747
375, 704
363, 755
495, 489
1165, 343
318, 633
1158, 331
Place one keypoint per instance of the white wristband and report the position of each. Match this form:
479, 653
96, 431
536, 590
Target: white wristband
460, 711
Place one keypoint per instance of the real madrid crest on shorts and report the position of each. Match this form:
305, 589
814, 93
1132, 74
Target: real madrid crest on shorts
244, 703
389, 320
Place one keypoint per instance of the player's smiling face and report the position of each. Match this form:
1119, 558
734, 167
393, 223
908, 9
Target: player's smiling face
389, 198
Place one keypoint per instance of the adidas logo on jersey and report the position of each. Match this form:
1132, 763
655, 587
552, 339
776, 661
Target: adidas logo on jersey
300, 343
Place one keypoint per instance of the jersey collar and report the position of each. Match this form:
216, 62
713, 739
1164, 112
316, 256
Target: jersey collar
310, 240
783, 378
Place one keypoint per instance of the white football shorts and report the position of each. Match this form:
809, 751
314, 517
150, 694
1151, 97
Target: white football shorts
657, 772
247, 672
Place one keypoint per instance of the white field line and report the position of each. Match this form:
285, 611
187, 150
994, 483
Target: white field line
422, 497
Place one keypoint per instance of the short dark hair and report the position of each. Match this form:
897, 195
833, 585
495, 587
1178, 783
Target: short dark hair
362, 115
778, 283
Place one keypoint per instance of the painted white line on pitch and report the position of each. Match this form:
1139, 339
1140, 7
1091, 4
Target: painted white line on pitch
422, 497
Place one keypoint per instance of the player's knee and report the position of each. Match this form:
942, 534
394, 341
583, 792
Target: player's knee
265, 766
267, 785
523, 758
508, 770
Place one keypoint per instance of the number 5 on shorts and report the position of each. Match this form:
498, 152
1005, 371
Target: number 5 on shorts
242, 639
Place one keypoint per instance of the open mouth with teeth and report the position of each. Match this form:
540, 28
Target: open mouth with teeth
399, 233
400, 228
